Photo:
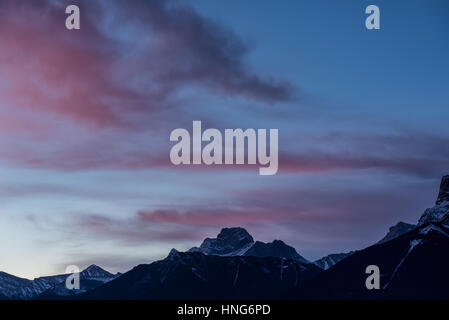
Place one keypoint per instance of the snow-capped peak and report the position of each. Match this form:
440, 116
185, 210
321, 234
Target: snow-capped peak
238, 242
440, 212
228, 242
94, 271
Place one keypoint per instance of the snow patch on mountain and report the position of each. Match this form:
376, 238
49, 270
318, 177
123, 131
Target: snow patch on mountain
432, 227
440, 212
434, 215
232, 242
14, 287
95, 272
229, 242
413, 244
332, 259
240, 251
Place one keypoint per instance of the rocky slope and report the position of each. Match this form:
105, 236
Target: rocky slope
331, 260
193, 275
397, 230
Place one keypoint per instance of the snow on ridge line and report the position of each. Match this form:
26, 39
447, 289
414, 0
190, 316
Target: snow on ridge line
238, 252
432, 227
413, 244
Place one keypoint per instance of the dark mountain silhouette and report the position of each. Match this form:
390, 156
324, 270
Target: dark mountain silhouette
193, 275
231, 265
412, 266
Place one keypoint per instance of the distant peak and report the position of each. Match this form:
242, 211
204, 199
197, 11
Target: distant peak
93, 267
173, 254
95, 271
402, 225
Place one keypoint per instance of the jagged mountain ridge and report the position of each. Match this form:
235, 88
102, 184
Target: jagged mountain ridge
412, 266
16, 288
229, 242
238, 242
438, 213
12, 287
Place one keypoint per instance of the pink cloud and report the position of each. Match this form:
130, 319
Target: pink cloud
174, 225
132, 230
101, 79
51, 70
214, 217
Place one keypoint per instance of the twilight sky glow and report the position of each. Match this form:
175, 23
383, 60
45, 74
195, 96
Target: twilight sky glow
85, 119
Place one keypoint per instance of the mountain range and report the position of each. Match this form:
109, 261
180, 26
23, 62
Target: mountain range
412, 260
15, 288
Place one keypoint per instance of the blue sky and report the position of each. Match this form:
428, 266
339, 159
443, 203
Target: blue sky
85, 118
